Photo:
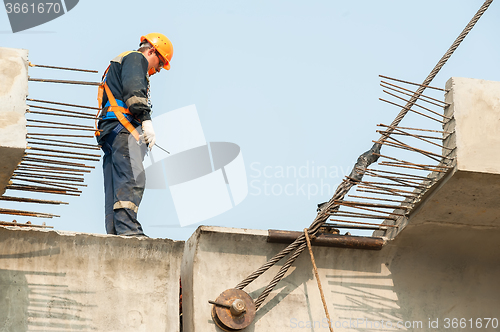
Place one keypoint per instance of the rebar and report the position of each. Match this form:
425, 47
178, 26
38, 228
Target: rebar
90, 115
68, 152
49, 161
61, 135
39, 189
30, 200
65, 142
27, 213
415, 104
421, 95
61, 114
366, 223
377, 198
47, 80
48, 183
62, 104
48, 177
421, 85
407, 94
61, 123
417, 129
59, 156
63, 68
46, 168
8, 223
63, 128
412, 110
63, 145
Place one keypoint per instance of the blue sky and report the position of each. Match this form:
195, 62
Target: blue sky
294, 84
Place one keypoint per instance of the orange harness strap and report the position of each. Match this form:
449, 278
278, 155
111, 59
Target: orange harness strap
118, 111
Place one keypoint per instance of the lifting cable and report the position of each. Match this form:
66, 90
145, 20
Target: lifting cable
367, 158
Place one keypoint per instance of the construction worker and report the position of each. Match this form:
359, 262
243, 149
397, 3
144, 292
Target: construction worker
125, 130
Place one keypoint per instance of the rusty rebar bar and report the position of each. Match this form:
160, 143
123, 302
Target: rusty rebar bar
63, 68
66, 170
60, 156
379, 199
427, 169
380, 192
64, 145
409, 163
61, 135
423, 85
415, 136
27, 213
49, 183
48, 80
64, 142
368, 209
58, 162
29, 224
421, 95
360, 215
401, 145
61, 123
417, 129
346, 226
372, 186
39, 189
397, 173
68, 152
90, 115
402, 180
415, 104
49, 177
62, 104
62, 128
365, 223
407, 94
381, 206
61, 114
422, 136
30, 200
412, 110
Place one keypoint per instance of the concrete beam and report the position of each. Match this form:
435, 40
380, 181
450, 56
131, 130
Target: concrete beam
426, 275
60, 281
13, 92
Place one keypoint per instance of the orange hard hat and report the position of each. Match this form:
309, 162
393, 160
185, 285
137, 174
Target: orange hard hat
162, 45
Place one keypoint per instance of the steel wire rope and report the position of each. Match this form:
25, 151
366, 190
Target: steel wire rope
298, 246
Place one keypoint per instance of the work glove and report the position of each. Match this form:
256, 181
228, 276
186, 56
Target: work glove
148, 133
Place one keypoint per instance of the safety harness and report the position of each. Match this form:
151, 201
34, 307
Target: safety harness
117, 109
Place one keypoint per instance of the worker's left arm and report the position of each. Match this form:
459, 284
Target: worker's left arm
135, 85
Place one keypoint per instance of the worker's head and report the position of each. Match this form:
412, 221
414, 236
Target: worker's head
158, 50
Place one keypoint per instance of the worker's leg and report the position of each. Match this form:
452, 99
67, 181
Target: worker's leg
107, 167
128, 183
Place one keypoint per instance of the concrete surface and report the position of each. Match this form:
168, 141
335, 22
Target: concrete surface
432, 272
13, 92
51, 281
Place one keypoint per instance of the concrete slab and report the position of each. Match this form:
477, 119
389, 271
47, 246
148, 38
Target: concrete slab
13, 92
59, 281
431, 274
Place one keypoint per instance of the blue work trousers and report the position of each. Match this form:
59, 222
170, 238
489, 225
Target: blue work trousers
124, 183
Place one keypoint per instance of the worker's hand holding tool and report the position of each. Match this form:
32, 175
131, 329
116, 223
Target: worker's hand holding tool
148, 133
